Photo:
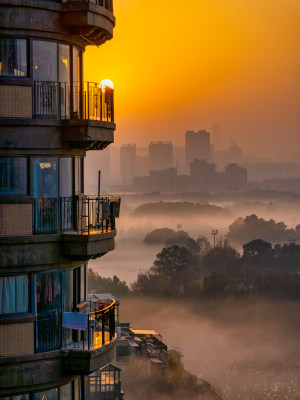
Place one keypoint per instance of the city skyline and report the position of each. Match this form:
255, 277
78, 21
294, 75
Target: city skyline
235, 64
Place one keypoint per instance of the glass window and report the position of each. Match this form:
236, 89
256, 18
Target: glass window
66, 392
45, 178
52, 394
48, 292
64, 62
13, 175
82, 283
64, 78
76, 79
65, 177
68, 294
44, 61
78, 174
14, 294
79, 274
13, 57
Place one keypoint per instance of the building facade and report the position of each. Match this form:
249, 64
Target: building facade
127, 162
54, 342
197, 145
160, 156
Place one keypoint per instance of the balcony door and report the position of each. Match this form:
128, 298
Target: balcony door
45, 193
49, 308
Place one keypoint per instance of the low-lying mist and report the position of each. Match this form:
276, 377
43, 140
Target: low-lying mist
132, 255
246, 349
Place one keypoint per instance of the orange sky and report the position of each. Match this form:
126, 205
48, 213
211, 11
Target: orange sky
179, 65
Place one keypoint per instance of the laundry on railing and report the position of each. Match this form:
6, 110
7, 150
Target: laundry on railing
74, 320
105, 209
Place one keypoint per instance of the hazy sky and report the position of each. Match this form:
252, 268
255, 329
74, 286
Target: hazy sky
179, 65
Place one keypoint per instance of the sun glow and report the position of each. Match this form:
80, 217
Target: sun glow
107, 82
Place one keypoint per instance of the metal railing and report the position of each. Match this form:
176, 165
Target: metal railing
63, 100
108, 4
100, 331
83, 215
101, 326
48, 331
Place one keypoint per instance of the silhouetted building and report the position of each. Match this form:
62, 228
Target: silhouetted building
127, 162
160, 156
216, 136
235, 177
203, 175
197, 145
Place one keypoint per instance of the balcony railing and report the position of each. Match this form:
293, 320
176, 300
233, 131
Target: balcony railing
101, 327
81, 215
108, 4
89, 101
48, 331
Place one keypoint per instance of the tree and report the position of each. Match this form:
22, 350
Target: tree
221, 259
204, 245
162, 235
98, 284
258, 252
246, 229
177, 266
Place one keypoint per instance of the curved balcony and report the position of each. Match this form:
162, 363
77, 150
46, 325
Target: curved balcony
57, 230
78, 115
83, 21
56, 344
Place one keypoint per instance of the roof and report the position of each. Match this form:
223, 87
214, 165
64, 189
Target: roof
143, 332
156, 360
133, 343
174, 348
104, 296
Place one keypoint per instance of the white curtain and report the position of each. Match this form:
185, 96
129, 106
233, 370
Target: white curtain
14, 294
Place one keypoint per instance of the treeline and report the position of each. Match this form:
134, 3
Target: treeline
262, 270
199, 271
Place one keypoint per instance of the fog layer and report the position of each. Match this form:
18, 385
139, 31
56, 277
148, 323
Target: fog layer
247, 350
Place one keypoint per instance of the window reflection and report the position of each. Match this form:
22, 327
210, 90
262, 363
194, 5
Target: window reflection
65, 177
13, 175
44, 61
45, 177
13, 57
78, 174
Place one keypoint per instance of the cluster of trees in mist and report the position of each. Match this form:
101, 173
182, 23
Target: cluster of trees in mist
193, 268
262, 270
246, 229
178, 207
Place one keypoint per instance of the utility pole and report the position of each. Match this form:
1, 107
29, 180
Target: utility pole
214, 232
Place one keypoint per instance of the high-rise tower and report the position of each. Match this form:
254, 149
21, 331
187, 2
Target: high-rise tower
51, 337
160, 156
197, 145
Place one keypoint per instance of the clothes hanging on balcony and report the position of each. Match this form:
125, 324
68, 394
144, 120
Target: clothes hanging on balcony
105, 209
73, 320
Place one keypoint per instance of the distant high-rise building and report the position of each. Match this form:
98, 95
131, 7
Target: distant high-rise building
127, 162
93, 163
216, 136
203, 175
197, 145
235, 177
160, 156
